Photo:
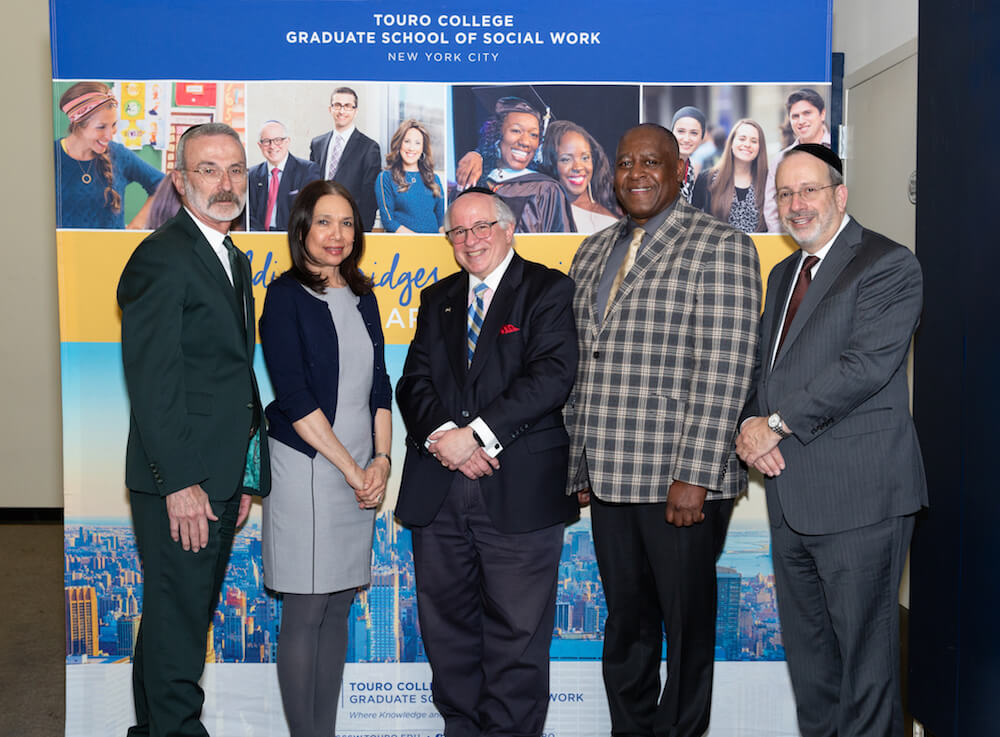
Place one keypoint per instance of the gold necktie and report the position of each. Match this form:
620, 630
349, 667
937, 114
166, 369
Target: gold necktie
626, 266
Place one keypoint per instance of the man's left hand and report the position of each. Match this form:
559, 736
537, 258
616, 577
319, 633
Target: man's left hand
453, 447
755, 440
684, 504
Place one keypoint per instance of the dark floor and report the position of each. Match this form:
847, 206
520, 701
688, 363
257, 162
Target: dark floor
32, 634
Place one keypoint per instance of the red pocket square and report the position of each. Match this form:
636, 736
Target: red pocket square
508, 329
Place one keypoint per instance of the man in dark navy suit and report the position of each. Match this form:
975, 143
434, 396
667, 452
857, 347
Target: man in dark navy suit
347, 155
490, 366
275, 182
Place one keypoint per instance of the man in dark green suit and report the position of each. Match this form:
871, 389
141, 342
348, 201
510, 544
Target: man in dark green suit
193, 456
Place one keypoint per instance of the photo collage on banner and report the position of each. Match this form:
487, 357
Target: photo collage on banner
548, 148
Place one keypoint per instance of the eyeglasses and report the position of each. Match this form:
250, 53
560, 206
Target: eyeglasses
275, 141
806, 194
338, 106
458, 236
214, 173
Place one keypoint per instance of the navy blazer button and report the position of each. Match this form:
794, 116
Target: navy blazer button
249, 405
465, 413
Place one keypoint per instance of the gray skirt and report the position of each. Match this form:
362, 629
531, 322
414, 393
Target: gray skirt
315, 539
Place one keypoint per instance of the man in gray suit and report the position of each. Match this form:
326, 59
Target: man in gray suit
666, 306
829, 426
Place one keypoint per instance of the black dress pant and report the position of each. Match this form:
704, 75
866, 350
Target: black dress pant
486, 602
658, 578
179, 596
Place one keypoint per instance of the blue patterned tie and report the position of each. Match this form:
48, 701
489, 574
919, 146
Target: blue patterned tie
476, 311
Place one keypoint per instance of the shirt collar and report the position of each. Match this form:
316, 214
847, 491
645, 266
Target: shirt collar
345, 134
653, 224
492, 279
281, 165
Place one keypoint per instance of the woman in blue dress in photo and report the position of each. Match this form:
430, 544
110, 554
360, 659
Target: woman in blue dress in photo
409, 193
92, 171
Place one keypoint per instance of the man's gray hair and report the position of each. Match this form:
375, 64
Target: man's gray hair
200, 131
504, 215
284, 128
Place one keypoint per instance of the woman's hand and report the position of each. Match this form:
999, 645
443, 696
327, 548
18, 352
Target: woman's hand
355, 476
469, 169
375, 476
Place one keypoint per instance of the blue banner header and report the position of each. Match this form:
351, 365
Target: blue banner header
646, 41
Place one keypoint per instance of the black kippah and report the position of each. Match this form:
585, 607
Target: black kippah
821, 152
476, 190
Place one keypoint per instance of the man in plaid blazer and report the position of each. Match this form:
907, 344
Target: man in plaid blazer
667, 325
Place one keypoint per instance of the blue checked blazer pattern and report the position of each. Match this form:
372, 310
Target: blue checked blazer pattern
661, 382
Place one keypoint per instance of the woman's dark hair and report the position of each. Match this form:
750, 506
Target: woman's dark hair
722, 185
299, 224
394, 162
492, 130
602, 179
112, 200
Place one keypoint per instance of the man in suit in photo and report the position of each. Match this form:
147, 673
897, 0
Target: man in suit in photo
347, 155
490, 366
828, 424
667, 303
275, 182
806, 111
193, 456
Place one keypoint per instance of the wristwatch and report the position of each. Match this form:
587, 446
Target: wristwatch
774, 422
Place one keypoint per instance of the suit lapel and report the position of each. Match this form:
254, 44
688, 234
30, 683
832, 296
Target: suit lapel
497, 315
258, 192
208, 257
658, 246
592, 271
325, 154
453, 326
840, 254
349, 149
782, 288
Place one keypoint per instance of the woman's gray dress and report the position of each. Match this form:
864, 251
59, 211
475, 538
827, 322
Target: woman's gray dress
315, 539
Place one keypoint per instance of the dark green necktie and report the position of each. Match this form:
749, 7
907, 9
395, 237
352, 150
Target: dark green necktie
237, 272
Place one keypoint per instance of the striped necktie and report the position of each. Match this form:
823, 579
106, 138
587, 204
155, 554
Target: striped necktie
338, 150
477, 309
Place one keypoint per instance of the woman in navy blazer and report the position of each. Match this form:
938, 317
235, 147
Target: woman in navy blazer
331, 429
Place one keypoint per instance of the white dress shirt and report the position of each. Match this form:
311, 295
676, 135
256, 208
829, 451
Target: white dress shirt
491, 444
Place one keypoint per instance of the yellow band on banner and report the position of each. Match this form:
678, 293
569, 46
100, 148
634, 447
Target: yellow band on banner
90, 263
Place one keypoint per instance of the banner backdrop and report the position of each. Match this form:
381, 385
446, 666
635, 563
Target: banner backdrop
174, 64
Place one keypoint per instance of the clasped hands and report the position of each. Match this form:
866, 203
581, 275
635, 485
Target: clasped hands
757, 445
369, 482
457, 450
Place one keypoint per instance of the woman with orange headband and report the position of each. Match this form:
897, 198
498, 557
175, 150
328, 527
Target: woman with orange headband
92, 171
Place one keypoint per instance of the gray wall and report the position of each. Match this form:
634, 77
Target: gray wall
30, 433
